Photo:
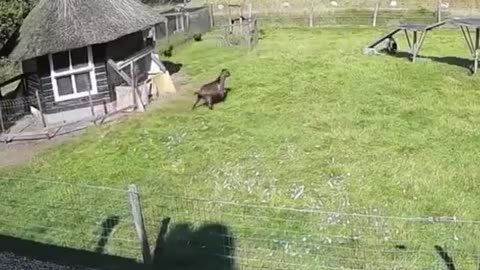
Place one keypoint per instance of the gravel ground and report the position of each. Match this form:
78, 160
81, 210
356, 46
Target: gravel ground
10, 261
22, 254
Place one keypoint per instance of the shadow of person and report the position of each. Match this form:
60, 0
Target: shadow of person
186, 247
107, 228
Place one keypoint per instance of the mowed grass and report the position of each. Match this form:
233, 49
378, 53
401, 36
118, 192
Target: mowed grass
309, 123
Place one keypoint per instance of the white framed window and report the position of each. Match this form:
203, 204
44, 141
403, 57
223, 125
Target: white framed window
73, 74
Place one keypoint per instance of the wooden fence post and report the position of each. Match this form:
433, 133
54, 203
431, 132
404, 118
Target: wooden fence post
375, 14
439, 10
133, 77
137, 214
40, 108
311, 15
90, 101
210, 11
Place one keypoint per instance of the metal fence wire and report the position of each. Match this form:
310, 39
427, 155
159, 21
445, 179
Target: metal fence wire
230, 235
14, 110
351, 12
77, 216
187, 21
185, 232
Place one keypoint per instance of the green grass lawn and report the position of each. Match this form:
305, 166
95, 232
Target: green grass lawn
371, 135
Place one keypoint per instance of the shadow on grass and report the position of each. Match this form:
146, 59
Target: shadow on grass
178, 247
172, 67
107, 228
185, 247
24, 254
449, 60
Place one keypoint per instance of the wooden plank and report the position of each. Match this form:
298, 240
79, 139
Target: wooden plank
477, 43
2, 124
121, 73
159, 64
144, 52
14, 79
384, 37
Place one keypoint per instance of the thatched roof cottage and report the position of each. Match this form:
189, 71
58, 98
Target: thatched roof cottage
65, 47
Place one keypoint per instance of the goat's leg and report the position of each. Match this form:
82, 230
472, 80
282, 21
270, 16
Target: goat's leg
196, 102
209, 103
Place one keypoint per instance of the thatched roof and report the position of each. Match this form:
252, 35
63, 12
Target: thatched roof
59, 25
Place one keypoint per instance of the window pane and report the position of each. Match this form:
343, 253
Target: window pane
83, 83
79, 58
61, 61
64, 85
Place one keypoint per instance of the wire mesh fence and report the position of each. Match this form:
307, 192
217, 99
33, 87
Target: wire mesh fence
183, 24
352, 12
204, 233
82, 217
261, 236
14, 111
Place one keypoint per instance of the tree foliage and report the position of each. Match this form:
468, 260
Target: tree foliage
12, 13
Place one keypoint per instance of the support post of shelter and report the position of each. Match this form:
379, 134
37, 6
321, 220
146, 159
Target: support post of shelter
210, 11
137, 215
40, 108
375, 14
477, 43
468, 39
132, 75
408, 38
414, 47
420, 44
2, 124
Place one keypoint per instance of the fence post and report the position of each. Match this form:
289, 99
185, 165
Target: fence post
182, 21
187, 22
375, 14
439, 10
312, 10
210, 11
40, 108
137, 214
132, 75
2, 124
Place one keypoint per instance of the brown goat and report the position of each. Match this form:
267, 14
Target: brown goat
214, 91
